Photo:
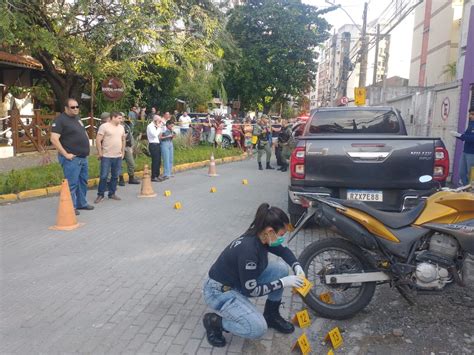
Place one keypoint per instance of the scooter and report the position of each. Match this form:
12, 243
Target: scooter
418, 251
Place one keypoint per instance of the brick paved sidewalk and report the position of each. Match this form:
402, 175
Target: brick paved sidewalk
130, 279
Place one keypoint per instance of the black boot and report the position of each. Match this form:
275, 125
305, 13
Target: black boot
132, 180
275, 320
260, 166
269, 167
121, 181
284, 168
213, 324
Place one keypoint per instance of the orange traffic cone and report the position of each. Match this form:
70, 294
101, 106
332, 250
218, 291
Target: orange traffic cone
212, 167
146, 189
66, 217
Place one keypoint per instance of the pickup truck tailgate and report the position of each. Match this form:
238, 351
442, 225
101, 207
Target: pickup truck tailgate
362, 161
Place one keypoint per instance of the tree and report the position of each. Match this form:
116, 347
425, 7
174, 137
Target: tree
277, 39
82, 39
450, 70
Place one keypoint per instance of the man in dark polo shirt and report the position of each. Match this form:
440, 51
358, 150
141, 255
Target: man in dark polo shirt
69, 137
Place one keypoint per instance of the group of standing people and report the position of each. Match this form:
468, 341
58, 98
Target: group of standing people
265, 132
160, 134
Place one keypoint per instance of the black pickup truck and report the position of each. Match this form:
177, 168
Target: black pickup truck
365, 154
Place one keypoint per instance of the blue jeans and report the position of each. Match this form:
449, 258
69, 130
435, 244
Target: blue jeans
167, 152
114, 166
76, 171
184, 131
465, 166
239, 315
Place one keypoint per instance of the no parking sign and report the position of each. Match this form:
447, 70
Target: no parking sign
445, 108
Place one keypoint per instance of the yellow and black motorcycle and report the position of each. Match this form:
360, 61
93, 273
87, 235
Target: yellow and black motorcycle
420, 250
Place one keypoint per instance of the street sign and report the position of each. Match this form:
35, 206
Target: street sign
445, 108
344, 100
113, 89
359, 96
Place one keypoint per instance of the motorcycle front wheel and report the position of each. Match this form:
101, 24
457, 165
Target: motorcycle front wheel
335, 256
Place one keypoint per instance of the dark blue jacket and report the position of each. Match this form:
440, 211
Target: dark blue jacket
468, 138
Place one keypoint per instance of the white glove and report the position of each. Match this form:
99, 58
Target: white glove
455, 134
292, 281
299, 271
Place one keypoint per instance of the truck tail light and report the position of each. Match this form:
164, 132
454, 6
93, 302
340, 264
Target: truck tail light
441, 165
297, 162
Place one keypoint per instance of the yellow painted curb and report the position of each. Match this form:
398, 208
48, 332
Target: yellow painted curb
94, 182
8, 197
53, 190
32, 193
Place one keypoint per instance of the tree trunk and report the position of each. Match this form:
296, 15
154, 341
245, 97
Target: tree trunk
64, 85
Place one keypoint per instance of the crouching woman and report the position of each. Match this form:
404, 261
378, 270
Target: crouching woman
243, 270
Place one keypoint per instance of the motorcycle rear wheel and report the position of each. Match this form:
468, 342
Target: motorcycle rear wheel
324, 299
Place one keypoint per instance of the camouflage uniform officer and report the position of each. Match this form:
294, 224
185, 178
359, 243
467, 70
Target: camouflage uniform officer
262, 130
284, 143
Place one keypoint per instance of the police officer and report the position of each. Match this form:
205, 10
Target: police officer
128, 155
243, 270
284, 145
262, 130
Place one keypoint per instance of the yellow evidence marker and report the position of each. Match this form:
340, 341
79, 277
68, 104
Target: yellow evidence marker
302, 319
303, 290
326, 297
303, 343
213, 189
167, 193
177, 206
330, 352
245, 182
335, 337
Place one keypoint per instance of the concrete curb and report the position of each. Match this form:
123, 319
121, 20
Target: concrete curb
54, 190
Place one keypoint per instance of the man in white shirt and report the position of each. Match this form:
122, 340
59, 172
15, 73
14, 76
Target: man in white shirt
153, 132
184, 122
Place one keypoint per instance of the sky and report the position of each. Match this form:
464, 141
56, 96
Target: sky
401, 36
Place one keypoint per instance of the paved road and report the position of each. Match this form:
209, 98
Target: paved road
129, 280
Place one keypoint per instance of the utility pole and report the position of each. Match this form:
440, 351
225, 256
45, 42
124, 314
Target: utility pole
363, 50
376, 60
346, 63
333, 69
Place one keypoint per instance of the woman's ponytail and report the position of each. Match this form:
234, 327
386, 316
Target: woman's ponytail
267, 216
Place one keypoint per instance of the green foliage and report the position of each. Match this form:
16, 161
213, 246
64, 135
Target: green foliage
80, 39
450, 70
51, 175
277, 39
196, 87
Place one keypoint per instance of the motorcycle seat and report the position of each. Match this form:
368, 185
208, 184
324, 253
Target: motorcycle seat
390, 219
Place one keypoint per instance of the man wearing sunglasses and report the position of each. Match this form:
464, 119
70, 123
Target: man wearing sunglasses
69, 137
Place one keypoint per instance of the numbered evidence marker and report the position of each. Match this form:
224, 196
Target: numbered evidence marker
302, 319
303, 344
335, 337
167, 193
177, 206
213, 189
326, 297
303, 290
245, 182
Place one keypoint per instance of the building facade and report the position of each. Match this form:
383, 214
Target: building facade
435, 42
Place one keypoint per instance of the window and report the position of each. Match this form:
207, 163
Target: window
354, 122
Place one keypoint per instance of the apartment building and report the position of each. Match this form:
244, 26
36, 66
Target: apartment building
435, 42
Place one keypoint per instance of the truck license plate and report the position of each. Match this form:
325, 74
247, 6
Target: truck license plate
364, 195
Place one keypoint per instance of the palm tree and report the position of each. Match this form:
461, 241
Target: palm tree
450, 70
